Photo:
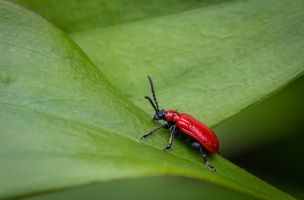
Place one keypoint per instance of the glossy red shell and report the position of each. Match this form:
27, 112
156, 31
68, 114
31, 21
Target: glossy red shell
195, 129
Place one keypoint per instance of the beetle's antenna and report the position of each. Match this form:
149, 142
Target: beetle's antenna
153, 93
151, 102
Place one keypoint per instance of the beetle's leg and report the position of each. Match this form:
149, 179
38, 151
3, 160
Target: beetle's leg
196, 145
154, 130
173, 129
210, 167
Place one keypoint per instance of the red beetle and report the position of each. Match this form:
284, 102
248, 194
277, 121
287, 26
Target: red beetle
194, 132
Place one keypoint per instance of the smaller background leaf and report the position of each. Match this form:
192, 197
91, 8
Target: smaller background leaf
148, 188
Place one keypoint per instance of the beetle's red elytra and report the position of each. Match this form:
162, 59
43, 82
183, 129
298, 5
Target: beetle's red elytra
192, 131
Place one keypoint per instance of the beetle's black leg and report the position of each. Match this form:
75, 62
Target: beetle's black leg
154, 130
210, 167
196, 145
173, 129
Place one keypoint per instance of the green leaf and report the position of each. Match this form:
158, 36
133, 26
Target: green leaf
63, 124
220, 59
76, 16
225, 55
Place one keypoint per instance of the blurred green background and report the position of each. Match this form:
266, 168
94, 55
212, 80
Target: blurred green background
278, 159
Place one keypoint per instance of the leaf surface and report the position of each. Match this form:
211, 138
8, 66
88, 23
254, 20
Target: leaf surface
63, 124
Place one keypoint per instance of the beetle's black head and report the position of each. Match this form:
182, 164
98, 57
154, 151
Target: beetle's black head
159, 114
